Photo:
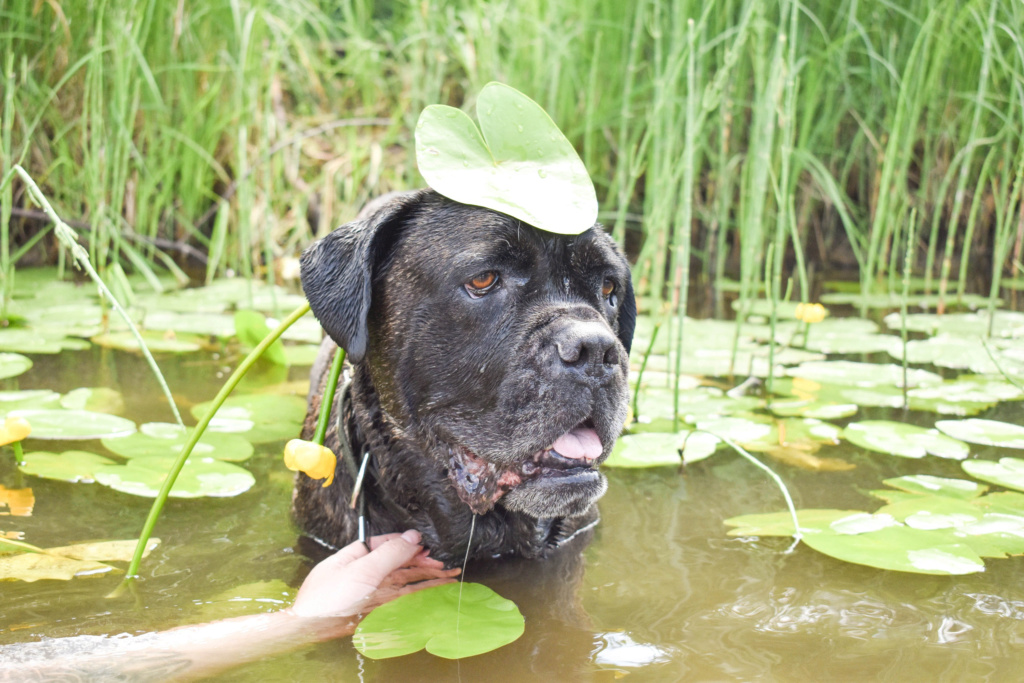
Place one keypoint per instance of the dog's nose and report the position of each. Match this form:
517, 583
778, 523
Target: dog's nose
589, 348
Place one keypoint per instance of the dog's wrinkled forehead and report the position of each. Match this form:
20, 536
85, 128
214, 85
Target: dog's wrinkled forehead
432, 246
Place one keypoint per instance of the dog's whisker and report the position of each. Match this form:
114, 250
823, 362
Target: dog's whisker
462, 580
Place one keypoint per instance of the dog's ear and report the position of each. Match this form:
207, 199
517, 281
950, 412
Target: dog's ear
337, 274
627, 316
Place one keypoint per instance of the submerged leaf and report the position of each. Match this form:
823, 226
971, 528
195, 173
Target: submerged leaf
451, 621
35, 566
96, 399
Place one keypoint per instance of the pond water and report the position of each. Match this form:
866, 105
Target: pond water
661, 592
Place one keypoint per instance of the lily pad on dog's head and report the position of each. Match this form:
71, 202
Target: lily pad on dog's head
521, 164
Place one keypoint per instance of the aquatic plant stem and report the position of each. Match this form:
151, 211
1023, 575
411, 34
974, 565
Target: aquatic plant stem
69, 238
197, 433
908, 264
797, 536
327, 398
640, 373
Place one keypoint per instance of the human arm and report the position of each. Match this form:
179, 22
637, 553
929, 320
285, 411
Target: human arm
330, 603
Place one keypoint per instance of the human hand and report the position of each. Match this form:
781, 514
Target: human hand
355, 580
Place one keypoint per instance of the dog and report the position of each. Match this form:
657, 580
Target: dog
487, 368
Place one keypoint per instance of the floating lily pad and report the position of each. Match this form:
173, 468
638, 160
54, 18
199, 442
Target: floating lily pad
165, 439
260, 418
737, 429
845, 342
73, 466
204, 324
984, 432
96, 399
927, 484
156, 342
861, 374
900, 548
74, 424
904, 440
1007, 324
1008, 472
781, 523
24, 340
521, 165
199, 477
28, 398
451, 621
13, 364
655, 449
821, 410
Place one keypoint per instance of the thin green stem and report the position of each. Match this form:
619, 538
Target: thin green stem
327, 398
69, 238
197, 433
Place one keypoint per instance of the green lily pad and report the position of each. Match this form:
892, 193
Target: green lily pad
198, 478
203, 324
899, 548
984, 432
927, 484
35, 566
165, 439
821, 410
251, 328
24, 340
521, 165
73, 466
738, 429
28, 398
156, 342
904, 440
96, 399
74, 424
654, 449
845, 342
451, 621
13, 364
260, 418
301, 355
1008, 472
851, 373
781, 523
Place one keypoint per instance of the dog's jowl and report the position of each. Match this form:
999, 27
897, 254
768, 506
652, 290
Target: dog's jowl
488, 377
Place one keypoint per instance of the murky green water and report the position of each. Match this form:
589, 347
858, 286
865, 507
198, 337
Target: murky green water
661, 594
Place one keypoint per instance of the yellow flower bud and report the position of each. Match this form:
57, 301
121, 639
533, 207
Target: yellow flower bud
811, 313
316, 461
14, 429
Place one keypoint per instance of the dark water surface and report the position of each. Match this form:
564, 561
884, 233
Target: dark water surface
661, 592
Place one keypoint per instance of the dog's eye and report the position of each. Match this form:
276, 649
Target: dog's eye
482, 283
608, 288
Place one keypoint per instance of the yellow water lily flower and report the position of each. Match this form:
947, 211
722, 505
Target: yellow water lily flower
14, 429
316, 461
811, 313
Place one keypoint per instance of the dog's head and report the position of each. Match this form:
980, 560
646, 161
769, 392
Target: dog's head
499, 349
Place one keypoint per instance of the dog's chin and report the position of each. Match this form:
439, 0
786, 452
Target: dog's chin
557, 480
566, 494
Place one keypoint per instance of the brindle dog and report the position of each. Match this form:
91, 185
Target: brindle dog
488, 376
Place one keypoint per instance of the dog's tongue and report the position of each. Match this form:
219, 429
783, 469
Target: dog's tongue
581, 443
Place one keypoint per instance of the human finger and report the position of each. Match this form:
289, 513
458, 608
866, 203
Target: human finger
392, 555
402, 577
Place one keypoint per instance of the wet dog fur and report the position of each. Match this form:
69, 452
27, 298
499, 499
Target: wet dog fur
459, 391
